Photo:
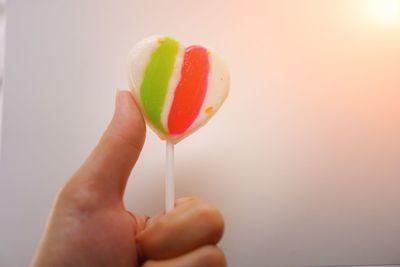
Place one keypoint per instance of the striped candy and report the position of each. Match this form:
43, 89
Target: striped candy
178, 88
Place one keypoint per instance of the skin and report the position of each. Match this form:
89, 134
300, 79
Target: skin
90, 226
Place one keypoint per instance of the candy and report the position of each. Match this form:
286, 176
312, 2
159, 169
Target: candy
178, 88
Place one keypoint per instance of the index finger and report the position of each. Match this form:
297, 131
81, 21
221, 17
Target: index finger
192, 224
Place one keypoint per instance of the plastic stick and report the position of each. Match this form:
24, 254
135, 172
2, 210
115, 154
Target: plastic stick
169, 179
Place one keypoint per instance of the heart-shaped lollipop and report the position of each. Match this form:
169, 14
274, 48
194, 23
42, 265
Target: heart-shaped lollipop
178, 88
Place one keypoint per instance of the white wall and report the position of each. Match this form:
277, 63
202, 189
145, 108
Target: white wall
2, 55
303, 159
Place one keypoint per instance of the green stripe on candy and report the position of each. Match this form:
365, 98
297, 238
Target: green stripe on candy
153, 90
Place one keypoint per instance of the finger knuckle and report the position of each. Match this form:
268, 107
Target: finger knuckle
214, 256
212, 217
82, 199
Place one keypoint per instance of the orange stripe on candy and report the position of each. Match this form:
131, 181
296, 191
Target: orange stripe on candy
191, 90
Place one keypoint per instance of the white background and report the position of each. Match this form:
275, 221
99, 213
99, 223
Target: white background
2, 51
303, 158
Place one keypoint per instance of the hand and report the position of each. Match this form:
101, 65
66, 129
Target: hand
89, 225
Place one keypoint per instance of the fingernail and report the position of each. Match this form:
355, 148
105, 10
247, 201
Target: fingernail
147, 225
150, 222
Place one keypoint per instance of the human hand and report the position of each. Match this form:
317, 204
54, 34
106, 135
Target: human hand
89, 225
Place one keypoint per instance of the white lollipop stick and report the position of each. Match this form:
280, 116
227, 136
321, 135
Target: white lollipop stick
169, 179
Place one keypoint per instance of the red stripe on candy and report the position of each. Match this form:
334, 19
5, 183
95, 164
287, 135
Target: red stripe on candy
191, 90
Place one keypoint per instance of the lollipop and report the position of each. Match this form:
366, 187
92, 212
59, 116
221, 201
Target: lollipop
178, 89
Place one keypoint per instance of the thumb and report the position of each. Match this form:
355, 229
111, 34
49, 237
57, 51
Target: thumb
107, 169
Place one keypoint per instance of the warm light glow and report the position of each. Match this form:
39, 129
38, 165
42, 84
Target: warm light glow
384, 11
